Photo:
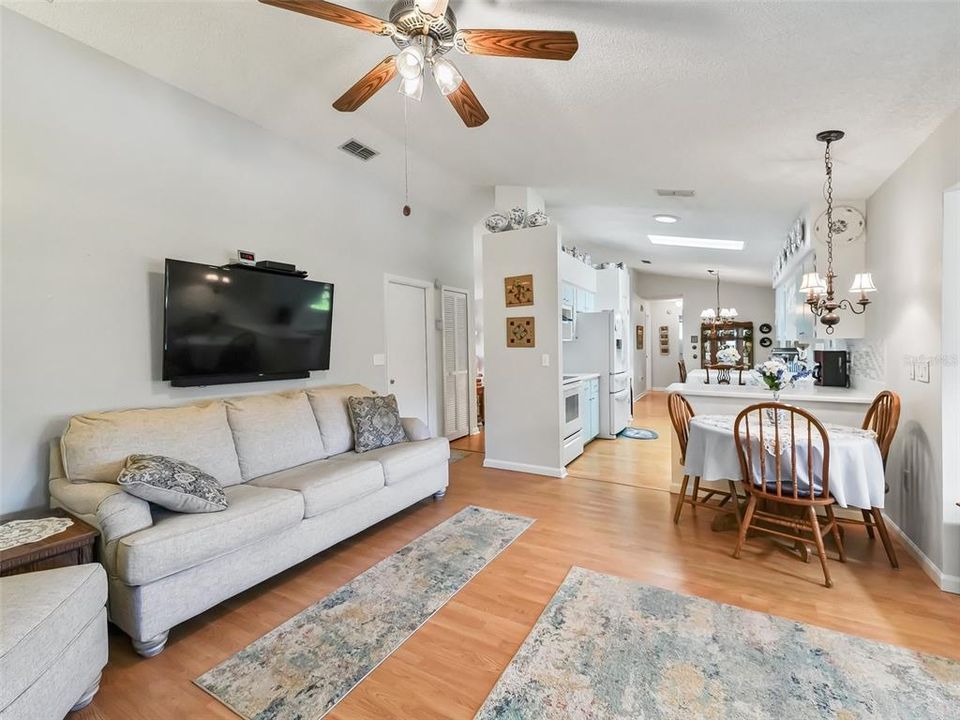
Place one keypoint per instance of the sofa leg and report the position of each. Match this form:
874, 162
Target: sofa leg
151, 647
440, 494
88, 694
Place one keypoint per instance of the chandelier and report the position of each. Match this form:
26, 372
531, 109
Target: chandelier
820, 292
718, 316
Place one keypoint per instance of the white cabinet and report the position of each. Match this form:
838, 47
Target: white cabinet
591, 409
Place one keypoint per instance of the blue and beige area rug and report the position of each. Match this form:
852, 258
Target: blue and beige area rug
606, 647
301, 669
633, 433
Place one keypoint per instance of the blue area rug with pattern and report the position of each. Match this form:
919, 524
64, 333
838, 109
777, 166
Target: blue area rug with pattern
301, 669
606, 648
638, 433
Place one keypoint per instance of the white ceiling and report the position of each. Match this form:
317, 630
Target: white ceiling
724, 98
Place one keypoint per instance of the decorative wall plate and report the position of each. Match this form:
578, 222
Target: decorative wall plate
848, 225
521, 332
518, 290
765, 328
765, 342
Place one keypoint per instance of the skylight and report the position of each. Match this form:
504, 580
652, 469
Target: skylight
695, 242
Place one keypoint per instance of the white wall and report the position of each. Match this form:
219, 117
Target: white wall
522, 397
754, 303
107, 171
905, 255
663, 368
639, 315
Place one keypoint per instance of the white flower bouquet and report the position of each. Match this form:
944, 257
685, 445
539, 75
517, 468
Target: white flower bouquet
776, 375
728, 356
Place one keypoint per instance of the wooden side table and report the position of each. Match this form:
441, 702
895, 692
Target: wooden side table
73, 546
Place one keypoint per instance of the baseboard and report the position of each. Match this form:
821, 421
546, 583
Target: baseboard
524, 468
947, 583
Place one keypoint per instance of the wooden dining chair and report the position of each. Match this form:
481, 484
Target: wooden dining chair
683, 370
681, 413
883, 417
772, 455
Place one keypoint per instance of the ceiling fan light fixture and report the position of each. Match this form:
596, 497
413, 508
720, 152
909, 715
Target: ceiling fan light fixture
410, 62
412, 87
447, 76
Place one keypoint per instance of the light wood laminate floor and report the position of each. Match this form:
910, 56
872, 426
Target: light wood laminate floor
447, 668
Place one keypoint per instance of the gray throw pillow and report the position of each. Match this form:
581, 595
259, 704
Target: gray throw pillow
376, 422
172, 484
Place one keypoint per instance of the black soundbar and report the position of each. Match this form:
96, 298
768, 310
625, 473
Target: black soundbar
204, 380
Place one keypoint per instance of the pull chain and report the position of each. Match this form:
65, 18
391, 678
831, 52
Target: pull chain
406, 163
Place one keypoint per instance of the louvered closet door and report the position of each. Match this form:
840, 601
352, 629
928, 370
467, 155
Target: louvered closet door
456, 364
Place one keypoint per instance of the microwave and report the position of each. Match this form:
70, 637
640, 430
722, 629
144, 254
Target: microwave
568, 322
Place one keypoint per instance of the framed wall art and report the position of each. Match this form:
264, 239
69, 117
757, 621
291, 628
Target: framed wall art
639, 337
521, 332
518, 290
664, 340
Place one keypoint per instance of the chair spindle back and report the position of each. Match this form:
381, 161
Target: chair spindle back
681, 412
683, 370
882, 417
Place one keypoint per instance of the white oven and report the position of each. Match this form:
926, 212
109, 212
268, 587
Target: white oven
572, 404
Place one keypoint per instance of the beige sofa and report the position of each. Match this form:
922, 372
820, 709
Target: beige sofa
53, 641
293, 482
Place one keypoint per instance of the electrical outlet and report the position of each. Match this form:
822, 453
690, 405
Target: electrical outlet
379, 359
923, 371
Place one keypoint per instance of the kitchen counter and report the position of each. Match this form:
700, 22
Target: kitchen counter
579, 377
798, 395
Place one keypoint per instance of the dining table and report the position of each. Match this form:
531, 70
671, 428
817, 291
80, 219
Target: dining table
855, 468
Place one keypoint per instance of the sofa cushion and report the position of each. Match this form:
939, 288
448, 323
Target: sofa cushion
96, 445
328, 484
330, 409
176, 542
406, 459
274, 432
171, 484
376, 422
41, 614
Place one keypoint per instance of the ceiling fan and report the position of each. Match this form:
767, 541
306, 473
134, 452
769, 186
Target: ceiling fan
425, 31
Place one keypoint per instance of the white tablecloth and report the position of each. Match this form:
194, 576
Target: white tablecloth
856, 468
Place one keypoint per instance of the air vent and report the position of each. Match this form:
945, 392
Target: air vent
359, 150
675, 193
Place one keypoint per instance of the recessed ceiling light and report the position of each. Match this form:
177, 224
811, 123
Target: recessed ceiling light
696, 242
664, 218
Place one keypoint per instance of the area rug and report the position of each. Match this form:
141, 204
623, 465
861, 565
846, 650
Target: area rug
457, 455
606, 647
639, 433
303, 668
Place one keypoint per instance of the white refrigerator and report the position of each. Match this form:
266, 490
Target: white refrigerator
600, 346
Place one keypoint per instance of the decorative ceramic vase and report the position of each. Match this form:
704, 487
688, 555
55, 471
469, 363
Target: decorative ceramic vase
496, 223
537, 219
517, 217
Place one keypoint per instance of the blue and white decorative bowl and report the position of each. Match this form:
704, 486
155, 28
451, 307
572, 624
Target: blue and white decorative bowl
496, 223
517, 217
537, 219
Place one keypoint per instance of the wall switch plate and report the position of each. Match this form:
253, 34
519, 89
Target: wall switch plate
912, 371
545, 360
923, 371
379, 359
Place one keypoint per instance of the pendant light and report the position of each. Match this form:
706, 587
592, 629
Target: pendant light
820, 291
720, 315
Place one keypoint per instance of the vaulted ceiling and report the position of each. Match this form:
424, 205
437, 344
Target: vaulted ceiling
723, 98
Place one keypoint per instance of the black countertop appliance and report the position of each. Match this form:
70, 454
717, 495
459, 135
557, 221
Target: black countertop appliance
832, 368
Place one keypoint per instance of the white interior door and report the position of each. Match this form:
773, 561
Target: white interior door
407, 315
456, 375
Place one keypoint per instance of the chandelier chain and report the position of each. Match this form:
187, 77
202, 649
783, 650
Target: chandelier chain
828, 162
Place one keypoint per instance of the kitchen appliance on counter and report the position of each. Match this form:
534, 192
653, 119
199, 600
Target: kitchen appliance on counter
600, 346
572, 418
831, 368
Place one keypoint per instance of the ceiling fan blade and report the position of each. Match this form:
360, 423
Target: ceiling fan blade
335, 13
367, 86
467, 106
539, 44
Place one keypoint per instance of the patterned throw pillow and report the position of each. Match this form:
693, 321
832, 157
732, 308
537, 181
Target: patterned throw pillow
376, 422
172, 484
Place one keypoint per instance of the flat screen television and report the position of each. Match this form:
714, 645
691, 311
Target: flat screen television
227, 325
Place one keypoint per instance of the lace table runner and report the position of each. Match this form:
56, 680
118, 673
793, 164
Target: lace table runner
21, 532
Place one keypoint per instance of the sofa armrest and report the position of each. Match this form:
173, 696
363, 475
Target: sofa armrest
112, 511
415, 429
